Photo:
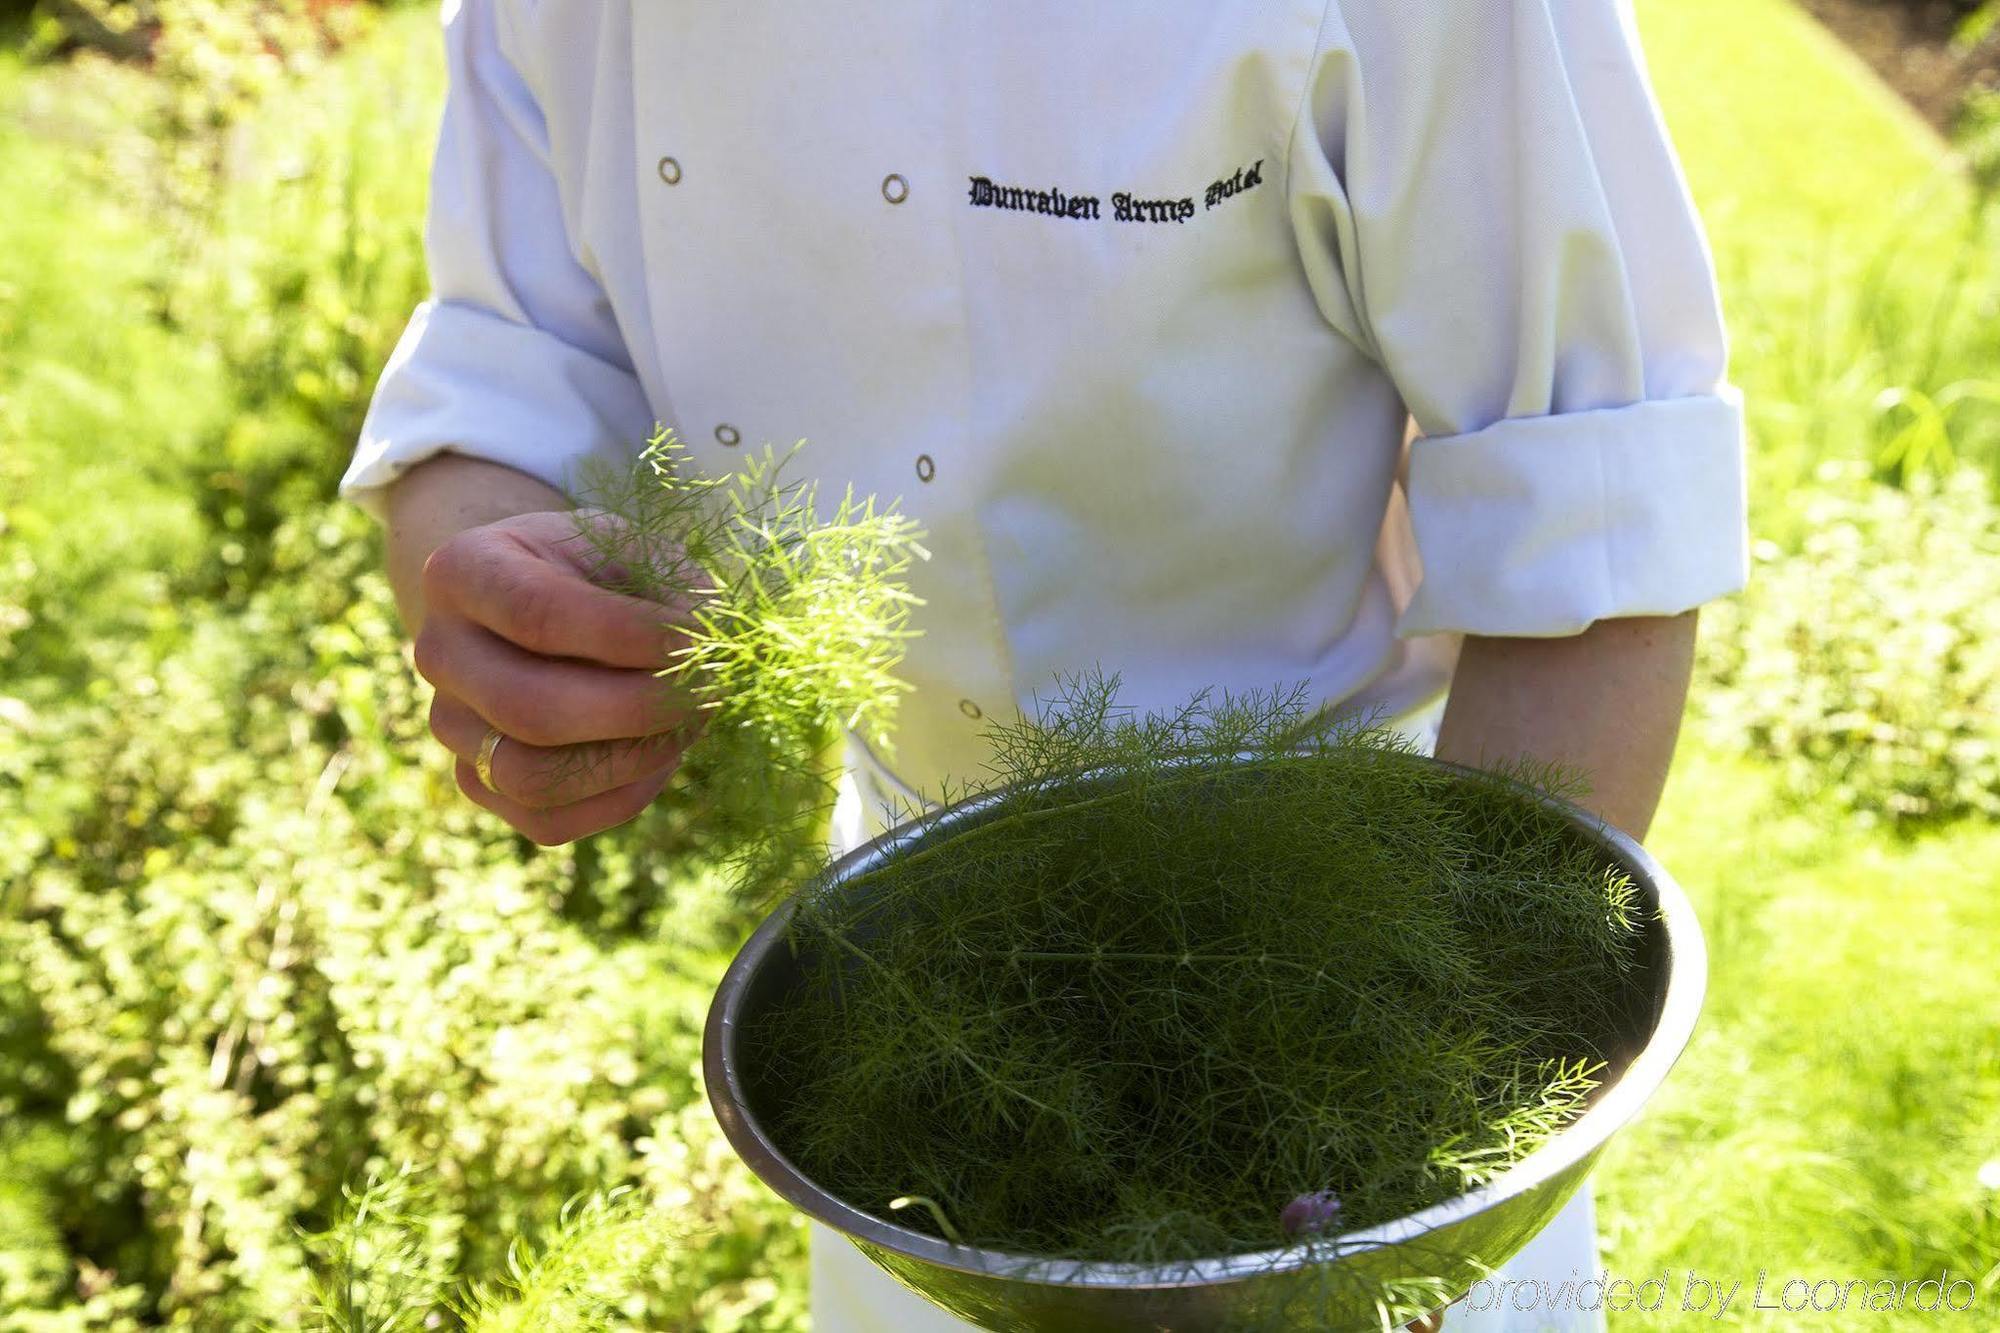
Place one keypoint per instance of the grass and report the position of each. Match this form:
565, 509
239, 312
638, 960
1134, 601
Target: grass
1851, 255
1842, 1094
80, 361
1741, 80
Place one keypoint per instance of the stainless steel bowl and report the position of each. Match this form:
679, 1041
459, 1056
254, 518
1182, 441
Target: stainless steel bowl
1353, 1281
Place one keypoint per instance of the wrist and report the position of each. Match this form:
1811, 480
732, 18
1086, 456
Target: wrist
441, 497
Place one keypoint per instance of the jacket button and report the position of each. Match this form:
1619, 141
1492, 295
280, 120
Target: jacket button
926, 469
894, 188
727, 436
969, 708
670, 171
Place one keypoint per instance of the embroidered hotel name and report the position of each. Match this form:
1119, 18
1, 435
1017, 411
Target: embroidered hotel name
1125, 206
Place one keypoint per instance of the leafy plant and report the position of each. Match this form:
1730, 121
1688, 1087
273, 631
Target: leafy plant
1880, 352
1187, 969
253, 943
584, 1276
1977, 134
796, 622
1978, 26
375, 1269
1919, 426
283, 192
1866, 662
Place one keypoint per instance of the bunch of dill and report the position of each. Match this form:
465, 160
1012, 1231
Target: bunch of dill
793, 620
1188, 969
385, 1265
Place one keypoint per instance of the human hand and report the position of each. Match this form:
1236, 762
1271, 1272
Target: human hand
518, 640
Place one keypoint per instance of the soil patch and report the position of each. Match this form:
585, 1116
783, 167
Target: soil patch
1911, 47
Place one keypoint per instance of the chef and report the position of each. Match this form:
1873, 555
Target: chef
1359, 342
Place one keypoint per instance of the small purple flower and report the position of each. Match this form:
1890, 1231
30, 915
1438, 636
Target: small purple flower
1310, 1213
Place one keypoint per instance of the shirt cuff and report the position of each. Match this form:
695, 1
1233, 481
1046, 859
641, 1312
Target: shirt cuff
465, 380
1537, 526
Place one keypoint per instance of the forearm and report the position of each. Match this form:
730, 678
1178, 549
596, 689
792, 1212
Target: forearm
442, 497
1605, 704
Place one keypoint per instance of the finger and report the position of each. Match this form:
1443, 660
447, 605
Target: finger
496, 580
552, 828
542, 778
543, 701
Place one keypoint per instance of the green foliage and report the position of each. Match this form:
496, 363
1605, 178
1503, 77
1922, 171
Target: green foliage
581, 1278
1859, 262
1978, 132
1187, 967
1867, 662
306, 267
254, 943
1888, 360
1866, 333
1846, 1048
796, 620
249, 217
1980, 23
374, 1264
208, 66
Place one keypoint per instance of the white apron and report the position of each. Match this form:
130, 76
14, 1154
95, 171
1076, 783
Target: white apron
851, 1295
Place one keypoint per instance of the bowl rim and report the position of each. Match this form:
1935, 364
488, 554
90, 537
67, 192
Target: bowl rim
1684, 962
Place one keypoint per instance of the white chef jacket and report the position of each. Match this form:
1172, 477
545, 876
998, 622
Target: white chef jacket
1129, 303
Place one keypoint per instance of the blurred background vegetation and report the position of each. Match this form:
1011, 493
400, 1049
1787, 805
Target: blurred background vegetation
254, 950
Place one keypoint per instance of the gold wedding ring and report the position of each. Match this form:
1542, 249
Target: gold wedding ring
484, 764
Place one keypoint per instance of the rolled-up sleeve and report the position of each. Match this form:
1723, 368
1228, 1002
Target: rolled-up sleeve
1492, 210
517, 356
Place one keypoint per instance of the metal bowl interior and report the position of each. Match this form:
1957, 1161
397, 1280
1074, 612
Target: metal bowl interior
1352, 1281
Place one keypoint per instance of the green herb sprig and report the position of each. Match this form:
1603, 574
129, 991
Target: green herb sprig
794, 620
382, 1268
